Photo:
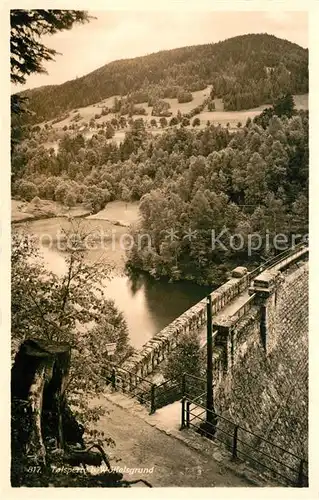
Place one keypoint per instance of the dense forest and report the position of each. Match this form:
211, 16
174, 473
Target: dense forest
245, 71
252, 180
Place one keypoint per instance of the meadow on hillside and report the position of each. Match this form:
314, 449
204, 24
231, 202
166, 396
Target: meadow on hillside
225, 118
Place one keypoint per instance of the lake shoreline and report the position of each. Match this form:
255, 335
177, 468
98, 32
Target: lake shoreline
148, 304
22, 211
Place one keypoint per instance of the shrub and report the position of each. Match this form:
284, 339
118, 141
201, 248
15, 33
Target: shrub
211, 106
163, 121
184, 96
61, 191
47, 188
139, 110
153, 122
173, 121
76, 117
185, 122
105, 111
70, 199
187, 357
96, 198
27, 190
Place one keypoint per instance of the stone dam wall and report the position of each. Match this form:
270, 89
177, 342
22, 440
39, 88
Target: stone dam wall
264, 385
159, 347
156, 350
260, 360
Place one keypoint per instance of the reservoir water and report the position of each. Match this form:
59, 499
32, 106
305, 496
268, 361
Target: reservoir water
148, 305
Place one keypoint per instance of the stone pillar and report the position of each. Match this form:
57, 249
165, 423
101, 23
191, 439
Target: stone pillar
223, 339
265, 287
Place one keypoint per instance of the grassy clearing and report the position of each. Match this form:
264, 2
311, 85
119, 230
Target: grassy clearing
185, 107
302, 101
224, 117
219, 116
233, 117
90, 111
118, 212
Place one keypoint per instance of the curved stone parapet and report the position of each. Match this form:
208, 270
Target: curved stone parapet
158, 347
156, 350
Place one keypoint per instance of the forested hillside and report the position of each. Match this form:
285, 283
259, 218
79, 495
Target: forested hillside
245, 71
248, 181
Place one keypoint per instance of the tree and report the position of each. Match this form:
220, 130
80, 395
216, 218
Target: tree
196, 122
248, 122
285, 106
114, 123
160, 108
186, 358
185, 122
96, 198
122, 122
61, 191
109, 133
27, 190
211, 106
173, 121
277, 163
27, 51
264, 117
125, 194
70, 199
255, 180
179, 115
52, 321
300, 217
69, 309
163, 121
184, 96
47, 188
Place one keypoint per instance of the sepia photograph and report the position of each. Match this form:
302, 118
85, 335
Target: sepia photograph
159, 248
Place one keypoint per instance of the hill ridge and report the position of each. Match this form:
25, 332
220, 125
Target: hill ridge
236, 67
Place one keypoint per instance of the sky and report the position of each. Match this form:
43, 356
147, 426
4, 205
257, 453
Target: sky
123, 34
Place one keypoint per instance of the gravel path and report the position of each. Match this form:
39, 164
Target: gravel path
171, 462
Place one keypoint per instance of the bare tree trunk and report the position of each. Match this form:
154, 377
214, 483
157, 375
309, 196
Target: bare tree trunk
38, 377
35, 446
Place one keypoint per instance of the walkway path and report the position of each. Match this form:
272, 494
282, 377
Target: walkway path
172, 463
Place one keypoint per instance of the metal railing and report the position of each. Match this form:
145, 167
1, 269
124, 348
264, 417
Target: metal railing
153, 396
276, 259
289, 258
282, 464
283, 258
132, 385
167, 392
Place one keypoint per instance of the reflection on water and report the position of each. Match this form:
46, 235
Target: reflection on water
148, 305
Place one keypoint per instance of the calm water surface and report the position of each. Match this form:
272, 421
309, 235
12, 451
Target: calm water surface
148, 305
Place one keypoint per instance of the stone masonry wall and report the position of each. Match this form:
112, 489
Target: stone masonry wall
260, 359
157, 349
266, 390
